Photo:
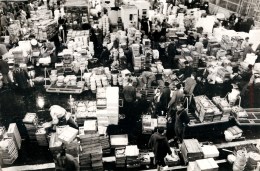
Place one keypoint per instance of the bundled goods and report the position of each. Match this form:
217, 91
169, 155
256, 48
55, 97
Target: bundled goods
185, 52
120, 157
223, 73
253, 159
101, 103
239, 112
2, 132
132, 159
112, 96
73, 148
13, 133
240, 162
210, 151
191, 150
233, 133
91, 152
47, 29
68, 135
206, 109
195, 56
105, 24
146, 123
8, 151
161, 121
104, 140
223, 104
172, 160
41, 137
30, 122
119, 140
101, 93
93, 85
226, 42
90, 126
81, 112
96, 159
20, 56
206, 165
136, 50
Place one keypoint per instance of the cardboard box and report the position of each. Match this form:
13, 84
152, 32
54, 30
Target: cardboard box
206, 165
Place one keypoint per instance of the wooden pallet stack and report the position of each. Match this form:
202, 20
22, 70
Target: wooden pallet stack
30, 122
8, 151
13, 132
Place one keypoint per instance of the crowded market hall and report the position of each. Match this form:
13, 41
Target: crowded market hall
129, 85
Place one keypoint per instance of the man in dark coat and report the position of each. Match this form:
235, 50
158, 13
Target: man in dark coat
181, 120
129, 94
21, 78
165, 98
160, 146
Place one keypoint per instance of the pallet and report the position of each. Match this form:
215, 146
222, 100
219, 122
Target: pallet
196, 122
64, 89
252, 120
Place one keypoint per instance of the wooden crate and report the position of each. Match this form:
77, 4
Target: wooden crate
191, 150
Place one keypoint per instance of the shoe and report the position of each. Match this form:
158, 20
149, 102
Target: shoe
165, 168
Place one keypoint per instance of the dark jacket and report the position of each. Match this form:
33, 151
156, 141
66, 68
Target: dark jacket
165, 97
129, 93
187, 71
4, 67
21, 78
160, 146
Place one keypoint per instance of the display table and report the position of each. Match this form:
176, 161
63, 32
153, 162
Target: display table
195, 122
53, 88
253, 118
